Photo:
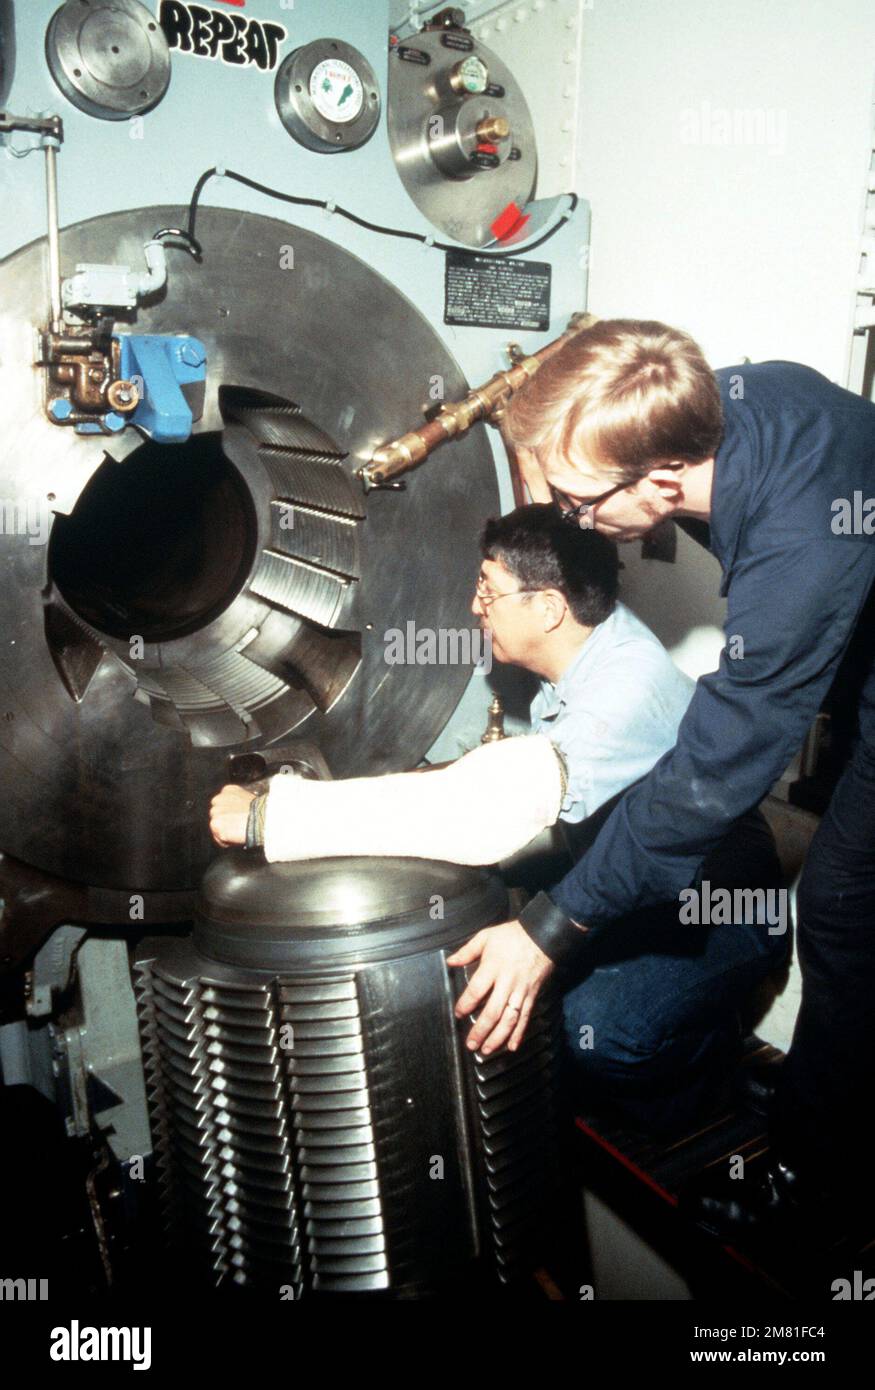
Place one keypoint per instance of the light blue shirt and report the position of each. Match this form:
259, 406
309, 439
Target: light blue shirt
613, 713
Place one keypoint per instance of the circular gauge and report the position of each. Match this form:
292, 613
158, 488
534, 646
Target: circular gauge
470, 75
336, 91
327, 96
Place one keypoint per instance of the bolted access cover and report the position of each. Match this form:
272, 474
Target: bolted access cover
109, 57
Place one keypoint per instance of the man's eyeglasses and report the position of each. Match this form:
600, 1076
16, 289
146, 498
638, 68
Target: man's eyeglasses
487, 597
580, 513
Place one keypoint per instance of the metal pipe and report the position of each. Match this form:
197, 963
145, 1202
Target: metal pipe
50, 129
156, 276
456, 418
54, 243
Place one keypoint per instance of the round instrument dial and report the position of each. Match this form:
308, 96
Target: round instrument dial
327, 96
336, 90
470, 75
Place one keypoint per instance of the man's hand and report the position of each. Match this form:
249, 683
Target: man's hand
513, 968
229, 812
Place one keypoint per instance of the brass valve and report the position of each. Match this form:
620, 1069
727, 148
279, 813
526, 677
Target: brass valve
494, 730
492, 129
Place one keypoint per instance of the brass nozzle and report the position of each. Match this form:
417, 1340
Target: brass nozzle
492, 129
395, 457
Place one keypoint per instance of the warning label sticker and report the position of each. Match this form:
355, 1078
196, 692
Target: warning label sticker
485, 292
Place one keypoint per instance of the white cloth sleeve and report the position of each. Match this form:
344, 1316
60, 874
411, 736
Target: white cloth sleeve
480, 809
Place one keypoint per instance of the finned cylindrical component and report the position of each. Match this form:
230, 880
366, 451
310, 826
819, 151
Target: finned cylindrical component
308, 1082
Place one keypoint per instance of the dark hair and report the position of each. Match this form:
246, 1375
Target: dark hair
543, 552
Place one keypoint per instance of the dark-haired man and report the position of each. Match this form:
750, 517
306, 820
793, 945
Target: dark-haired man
628, 426
654, 1025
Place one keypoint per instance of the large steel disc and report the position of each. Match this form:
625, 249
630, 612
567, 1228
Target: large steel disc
163, 608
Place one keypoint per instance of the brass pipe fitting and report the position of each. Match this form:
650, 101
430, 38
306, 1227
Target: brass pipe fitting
492, 129
456, 417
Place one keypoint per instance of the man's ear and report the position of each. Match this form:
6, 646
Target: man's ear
555, 606
668, 479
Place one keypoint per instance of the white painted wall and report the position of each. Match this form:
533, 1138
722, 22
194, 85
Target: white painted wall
751, 246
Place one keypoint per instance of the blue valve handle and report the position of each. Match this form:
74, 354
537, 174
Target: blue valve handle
161, 364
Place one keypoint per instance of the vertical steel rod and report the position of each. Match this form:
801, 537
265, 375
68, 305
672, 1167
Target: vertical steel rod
53, 235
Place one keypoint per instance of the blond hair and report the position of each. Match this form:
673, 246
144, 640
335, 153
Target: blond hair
625, 394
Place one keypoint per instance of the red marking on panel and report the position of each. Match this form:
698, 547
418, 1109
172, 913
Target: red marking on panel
508, 223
